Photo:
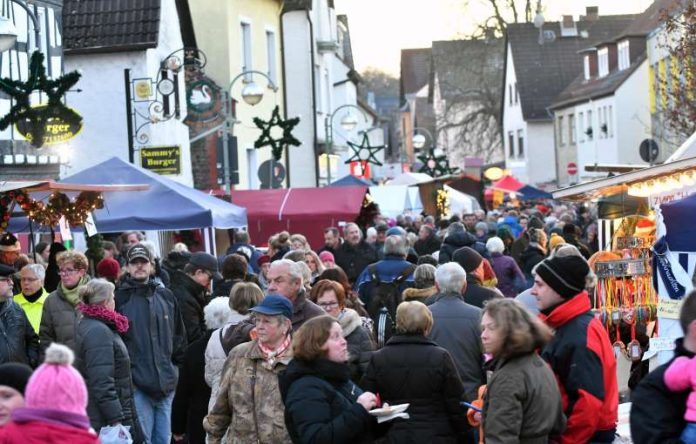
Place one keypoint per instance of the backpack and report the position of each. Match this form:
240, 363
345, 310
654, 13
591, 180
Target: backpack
385, 297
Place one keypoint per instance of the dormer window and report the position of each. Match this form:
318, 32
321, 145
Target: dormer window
624, 55
603, 61
587, 67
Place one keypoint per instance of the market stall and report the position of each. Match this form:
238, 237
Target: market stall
299, 210
394, 200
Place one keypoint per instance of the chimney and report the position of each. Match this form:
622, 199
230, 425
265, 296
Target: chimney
591, 13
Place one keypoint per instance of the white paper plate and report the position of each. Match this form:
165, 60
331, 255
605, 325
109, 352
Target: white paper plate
391, 410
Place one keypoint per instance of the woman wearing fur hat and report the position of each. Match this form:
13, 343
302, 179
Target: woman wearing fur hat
103, 358
55, 405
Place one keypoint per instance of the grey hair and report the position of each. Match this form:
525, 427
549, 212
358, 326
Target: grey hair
97, 291
424, 276
306, 272
450, 278
395, 245
154, 254
180, 247
38, 270
495, 245
294, 270
217, 313
411, 238
455, 227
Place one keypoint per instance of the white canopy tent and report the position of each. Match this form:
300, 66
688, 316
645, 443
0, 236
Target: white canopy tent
410, 179
395, 200
461, 203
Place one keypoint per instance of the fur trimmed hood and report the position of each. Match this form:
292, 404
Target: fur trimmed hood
418, 294
349, 320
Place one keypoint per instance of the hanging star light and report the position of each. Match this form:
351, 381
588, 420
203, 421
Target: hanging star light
364, 152
37, 117
266, 138
435, 166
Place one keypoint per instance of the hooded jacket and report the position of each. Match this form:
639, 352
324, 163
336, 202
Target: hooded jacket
156, 338
428, 246
418, 294
321, 404
353, 259
191, 297
657, 414
413, 369
360, 345
583, 361
457, 240
18, 342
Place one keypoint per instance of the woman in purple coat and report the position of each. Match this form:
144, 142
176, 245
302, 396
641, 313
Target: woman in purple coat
510, 278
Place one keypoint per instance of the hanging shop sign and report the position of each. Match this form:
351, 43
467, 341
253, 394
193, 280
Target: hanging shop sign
204, 102
164, 160
53, 130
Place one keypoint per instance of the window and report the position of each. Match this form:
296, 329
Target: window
246, 49
586, 63
326, 96
517, 95
610, 121
571, 129
520, 143
252, 168
624, 55
271, 55
603, 61
511, 144
318, 89
590, 126
560, 132
601, 113
510, 94
581, 125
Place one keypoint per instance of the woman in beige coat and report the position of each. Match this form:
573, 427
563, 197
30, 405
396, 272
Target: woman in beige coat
249, 407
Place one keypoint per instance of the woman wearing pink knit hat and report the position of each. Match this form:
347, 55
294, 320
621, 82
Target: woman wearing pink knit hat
55, 405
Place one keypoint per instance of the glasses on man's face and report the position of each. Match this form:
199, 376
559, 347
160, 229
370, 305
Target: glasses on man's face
29, 279
326, 305
67, 272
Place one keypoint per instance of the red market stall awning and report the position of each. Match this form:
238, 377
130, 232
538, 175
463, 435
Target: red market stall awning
507, 183
299, 210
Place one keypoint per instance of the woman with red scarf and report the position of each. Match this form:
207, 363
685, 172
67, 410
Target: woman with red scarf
103, 359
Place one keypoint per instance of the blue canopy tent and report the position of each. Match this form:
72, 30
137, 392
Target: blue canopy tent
528, 192
350, 181
165, 205
678, 217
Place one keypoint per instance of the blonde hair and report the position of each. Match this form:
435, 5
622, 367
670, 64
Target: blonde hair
413, 317
78, 259
245, 295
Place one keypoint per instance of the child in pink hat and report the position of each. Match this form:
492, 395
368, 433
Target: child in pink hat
55, 404
327, 258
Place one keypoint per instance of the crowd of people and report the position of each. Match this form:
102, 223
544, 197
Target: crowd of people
480, 322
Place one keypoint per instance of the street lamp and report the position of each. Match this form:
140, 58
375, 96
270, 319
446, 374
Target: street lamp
348, 123
8, 31
252, 94
419, 139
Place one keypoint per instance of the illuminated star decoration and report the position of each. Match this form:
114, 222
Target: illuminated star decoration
364, 152
266, 138
435, 166
36, 118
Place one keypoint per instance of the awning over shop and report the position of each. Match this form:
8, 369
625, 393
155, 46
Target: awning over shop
165, 205
350, 181
507, 183
678, 217
622, 205
299, 210
410, 179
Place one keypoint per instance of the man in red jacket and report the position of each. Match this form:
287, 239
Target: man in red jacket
580, 354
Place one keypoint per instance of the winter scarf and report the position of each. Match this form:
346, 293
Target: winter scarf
271, 356
72, 294
102, 313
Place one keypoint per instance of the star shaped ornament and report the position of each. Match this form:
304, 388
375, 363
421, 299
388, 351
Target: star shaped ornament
266, 138
364, 152
435, 166
36, 118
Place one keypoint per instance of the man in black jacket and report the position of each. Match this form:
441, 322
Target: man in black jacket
657, 414
428, 242
18, 341
191, 289
472, 262
354, 255
156, 340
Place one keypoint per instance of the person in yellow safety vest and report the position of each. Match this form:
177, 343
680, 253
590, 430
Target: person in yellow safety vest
33, 295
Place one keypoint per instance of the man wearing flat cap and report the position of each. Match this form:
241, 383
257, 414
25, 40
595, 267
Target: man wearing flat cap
10, 249
580, 353
18, 340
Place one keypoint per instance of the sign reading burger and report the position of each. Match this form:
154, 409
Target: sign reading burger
50, 127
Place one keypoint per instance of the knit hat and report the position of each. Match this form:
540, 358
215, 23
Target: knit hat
535, 222
555, 240
15, 375
108, 268
566, 275
481, 226
327, 256
263, 259
468, 258
9, 243
56, 384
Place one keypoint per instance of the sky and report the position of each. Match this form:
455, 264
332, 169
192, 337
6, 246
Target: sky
379, 29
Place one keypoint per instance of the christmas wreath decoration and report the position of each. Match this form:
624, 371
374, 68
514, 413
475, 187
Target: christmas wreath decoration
364, 152
75, 211
435, 166
35, 118
266, 138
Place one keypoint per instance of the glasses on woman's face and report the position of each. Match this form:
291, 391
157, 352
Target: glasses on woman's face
67, 272
326, 305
